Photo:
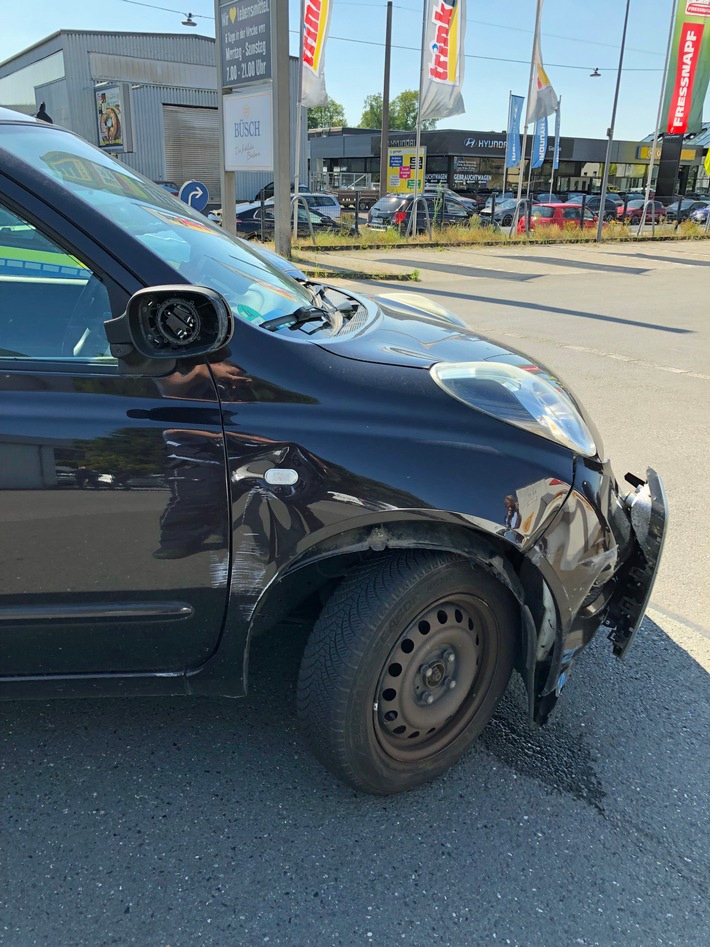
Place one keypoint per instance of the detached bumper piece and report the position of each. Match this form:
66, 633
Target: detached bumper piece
648, 512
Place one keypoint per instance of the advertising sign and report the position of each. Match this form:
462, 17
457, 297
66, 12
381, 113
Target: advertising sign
244, 33
689, 68
402, 170
539, 145
316, 22
248, 139
113, 117
442, 59
513, 144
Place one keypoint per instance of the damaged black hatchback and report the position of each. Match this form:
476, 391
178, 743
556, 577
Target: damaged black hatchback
194, 445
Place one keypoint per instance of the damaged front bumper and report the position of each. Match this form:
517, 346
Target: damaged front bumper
599, 560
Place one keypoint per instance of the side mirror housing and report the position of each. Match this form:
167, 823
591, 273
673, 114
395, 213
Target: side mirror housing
164, 323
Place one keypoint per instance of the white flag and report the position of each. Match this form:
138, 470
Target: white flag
542, 100
316, 23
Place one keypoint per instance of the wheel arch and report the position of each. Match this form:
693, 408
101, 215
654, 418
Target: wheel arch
325, 563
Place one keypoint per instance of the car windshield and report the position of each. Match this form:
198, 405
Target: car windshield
387, 204
199, 251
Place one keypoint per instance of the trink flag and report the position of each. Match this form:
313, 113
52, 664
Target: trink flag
539, 145
556, 156
688, 69
442, 59
542, 99
316, 23
512, 142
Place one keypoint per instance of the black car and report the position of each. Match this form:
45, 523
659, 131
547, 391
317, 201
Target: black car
439, 506
594, 201
395, 210
250, 226
682, 210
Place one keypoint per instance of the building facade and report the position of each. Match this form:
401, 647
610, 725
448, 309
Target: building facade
168, 85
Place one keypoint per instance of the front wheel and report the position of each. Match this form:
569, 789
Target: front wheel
507, 221
404, 668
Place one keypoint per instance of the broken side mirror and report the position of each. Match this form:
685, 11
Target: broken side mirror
164, 323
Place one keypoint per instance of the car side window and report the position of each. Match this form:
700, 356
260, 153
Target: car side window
572, 213
455, 210
52, 306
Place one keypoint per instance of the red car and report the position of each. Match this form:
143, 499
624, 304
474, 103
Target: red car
559, 215
655, 212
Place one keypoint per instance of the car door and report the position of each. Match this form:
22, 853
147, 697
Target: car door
114, 519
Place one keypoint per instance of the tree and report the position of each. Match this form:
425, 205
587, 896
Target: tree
403, 112
330, 115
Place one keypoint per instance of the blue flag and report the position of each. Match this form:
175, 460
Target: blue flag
539, 146
556, 158
512, 142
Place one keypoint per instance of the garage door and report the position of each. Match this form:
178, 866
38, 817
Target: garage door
192, 147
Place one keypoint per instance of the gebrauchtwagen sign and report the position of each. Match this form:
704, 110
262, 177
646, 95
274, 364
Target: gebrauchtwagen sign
244, 32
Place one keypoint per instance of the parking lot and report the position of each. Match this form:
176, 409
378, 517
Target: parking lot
177, 822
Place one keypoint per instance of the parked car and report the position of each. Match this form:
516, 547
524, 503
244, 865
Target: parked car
395, 210
439, 507
700, 216
686, 209
325, 204
633, 211
249, 224
594, 201
170, 186
547, 197
567, 215
437, 190
504, 212
267, 191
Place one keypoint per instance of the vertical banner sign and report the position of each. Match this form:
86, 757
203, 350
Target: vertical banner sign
512, 142
539, 145
316, 23
442, 59
556, 156
689, 68
542, 99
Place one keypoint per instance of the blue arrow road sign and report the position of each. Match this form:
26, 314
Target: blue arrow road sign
194, 194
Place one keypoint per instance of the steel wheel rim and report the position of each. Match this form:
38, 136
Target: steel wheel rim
435, 678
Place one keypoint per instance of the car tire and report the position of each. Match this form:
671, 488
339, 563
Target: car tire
507, 221
609, 217
404, 668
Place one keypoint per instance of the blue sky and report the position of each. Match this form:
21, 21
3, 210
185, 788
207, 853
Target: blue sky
576, 37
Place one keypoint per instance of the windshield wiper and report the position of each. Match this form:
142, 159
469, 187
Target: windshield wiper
298, 317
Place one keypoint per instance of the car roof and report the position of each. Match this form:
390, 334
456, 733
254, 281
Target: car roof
556, 204
9, 115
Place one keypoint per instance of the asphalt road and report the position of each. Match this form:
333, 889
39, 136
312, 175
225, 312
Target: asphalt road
166, 822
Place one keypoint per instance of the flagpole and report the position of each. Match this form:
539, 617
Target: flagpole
557, 139
505, 160
610, 130
521, 174
642, 221
299, 124
419, 122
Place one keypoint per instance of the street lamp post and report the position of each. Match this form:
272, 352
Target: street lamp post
610, 130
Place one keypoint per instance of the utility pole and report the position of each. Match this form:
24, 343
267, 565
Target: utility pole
281, 128
384, 140
610, 130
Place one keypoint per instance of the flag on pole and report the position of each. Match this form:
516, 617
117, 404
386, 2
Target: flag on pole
688, 69
442, 59
556, 156
539, 146
316, 23
542, 99
512, 141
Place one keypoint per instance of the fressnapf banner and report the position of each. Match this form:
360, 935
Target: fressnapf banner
688, 69
442, 60
316, 23
542, 98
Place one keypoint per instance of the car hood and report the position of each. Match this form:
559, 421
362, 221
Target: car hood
413, 331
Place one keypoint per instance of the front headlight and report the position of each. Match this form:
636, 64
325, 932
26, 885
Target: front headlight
527, 398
